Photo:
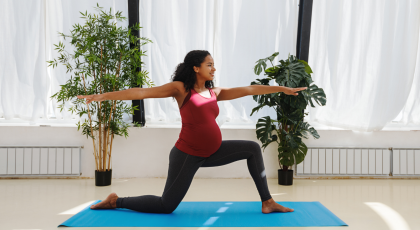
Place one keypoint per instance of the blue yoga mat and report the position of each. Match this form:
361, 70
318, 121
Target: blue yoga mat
210, 214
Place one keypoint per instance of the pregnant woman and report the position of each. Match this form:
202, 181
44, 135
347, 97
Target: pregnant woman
200, 141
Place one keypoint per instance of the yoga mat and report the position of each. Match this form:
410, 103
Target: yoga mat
210, 214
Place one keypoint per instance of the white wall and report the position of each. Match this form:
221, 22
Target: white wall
145, 152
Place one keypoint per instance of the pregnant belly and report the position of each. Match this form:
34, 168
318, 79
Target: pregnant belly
201, 139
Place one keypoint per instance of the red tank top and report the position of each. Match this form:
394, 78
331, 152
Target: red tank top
200, 135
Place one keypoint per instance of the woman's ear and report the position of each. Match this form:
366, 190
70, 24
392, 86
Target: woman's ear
196, 69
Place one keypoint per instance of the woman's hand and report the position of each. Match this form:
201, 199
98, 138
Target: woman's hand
293, 91
90, 98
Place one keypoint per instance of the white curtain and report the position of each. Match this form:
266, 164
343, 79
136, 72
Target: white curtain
61, 15
245, 32
175, 27
23, 79
236, 33
410, 114
29, 31
364, 54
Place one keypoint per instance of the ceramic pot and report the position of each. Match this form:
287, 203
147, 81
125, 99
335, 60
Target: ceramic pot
103, 178
285, 177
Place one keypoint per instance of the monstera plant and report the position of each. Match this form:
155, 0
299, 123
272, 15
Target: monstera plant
288, 128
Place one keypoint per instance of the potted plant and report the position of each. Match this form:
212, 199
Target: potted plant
288, 129
102, 61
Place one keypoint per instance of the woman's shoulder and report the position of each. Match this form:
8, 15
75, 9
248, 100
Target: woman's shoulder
216, 90
179, 85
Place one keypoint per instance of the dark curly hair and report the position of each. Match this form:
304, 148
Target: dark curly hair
185, 72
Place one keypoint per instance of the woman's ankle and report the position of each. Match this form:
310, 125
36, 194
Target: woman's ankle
269, 201
113, 201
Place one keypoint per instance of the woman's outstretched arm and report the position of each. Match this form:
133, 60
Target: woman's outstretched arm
167, 90
233, 93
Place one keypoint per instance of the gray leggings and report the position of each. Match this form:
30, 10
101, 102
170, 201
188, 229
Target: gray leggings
182, 168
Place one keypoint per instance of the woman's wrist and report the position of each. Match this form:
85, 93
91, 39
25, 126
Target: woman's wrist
281, 89
103, 97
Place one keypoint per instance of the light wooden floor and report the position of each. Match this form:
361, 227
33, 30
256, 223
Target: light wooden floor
362, 204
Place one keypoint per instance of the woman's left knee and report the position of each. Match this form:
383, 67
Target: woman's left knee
254, 146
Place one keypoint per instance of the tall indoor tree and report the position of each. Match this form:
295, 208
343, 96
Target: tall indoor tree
102, 61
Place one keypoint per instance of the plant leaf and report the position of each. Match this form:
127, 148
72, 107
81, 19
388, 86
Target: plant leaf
316, 94
291, 156
314, 133
264, 129
308, 69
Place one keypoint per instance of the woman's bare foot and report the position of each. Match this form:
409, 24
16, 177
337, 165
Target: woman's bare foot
270, 205
108, 203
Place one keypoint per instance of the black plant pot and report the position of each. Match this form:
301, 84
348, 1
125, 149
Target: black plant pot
103, 178
285, 177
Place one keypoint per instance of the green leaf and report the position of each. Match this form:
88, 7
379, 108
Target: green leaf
290, 156
264, 81
272, 71
296, 115
274, 137
308, 69
262, 63
259, 66
314, 133
316, 94
274, 55
264, 129
257, 108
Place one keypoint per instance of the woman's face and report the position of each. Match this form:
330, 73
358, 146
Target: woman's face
206, 70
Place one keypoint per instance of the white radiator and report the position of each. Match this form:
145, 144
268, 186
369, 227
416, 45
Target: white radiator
406, 162
346, 162
23, 161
